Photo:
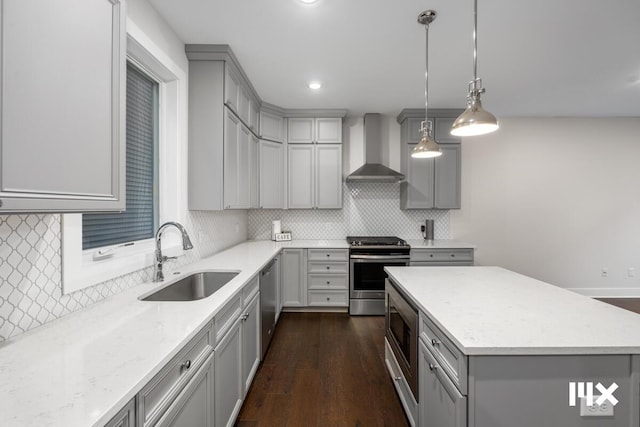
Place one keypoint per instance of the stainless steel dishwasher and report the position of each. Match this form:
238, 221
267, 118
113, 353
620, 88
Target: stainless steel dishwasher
268, 295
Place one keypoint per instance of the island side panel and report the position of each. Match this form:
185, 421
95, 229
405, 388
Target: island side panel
533, 391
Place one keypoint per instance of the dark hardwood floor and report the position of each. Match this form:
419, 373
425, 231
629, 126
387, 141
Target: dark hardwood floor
631, 304
324, 369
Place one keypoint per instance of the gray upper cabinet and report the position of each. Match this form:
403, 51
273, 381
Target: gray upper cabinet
307, 130
431, 183
271, 175
62, 91
271, 123
223, 126
328, 176
301, 178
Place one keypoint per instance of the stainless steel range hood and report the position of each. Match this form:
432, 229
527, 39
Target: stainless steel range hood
373, 170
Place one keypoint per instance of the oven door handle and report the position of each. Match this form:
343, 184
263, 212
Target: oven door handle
380, 257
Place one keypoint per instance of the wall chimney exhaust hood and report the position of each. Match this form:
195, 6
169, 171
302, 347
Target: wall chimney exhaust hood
373, 170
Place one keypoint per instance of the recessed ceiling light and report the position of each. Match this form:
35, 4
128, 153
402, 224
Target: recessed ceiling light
315, 85
308, 1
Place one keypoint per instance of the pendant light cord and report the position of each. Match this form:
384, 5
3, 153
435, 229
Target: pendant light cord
426, 78
475, 42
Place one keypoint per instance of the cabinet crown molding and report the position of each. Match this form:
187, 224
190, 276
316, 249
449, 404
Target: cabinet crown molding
414, 113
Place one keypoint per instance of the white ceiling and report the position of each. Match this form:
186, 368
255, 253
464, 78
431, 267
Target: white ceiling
536, 58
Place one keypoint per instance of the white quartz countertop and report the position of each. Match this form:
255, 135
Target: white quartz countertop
439, 244
81, 369
493, 311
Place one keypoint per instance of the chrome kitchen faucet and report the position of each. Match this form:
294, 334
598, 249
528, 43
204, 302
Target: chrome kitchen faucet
160, 259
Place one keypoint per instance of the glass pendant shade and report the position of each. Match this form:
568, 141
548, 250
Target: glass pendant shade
475, 120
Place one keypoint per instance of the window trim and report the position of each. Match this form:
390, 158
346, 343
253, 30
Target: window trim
79, 270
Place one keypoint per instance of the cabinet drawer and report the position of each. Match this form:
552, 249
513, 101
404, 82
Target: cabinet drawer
157, 395
329, 281
328, 298
328, 255
250, 290
449, 357
329, 267
225, 318
442, 255
400, 383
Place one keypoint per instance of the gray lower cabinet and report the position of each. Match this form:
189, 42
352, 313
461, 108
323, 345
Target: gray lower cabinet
37, 135
430, 183
126, 417
441, 404
434, 257
228, 387
194, 405
250, 342
328, 277
293, 265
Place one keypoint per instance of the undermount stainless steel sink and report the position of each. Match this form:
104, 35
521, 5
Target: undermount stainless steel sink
193, 287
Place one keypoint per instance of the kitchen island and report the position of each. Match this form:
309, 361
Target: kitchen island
497, 348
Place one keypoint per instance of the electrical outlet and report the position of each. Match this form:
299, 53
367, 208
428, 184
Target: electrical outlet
604, 272
605, 409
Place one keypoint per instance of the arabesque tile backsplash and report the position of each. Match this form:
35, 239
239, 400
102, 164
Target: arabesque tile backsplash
367, 209
30, 249
30, 266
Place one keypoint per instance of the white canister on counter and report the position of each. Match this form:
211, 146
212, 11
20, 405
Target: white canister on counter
276, 227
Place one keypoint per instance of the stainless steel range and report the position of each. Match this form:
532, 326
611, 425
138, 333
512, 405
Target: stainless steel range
368, 256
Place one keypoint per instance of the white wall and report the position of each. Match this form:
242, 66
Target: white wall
556, 199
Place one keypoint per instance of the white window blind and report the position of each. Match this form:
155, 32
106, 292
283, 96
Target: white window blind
140, 219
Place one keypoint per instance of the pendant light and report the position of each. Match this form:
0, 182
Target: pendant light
475, 120
427, 147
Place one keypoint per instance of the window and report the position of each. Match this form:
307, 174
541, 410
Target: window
80, 268
140, 220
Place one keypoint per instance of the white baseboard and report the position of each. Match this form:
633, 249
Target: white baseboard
608, 292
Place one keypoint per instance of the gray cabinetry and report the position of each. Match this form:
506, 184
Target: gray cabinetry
314, 176
250, 342
164, 389
294, 277
272, 123
46, 62
126, 417
441, 404
223, 122
271, 175
328, 278
441, 257
194, 405
228, 387
431, 183
308, 130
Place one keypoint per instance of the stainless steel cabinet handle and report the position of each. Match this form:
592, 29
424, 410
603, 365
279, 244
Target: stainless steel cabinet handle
435, 342
397, 378
328, 299
328, 267
245, 317
433, 367
186, 365
328, 255
328, 282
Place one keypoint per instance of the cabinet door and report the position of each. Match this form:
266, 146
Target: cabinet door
447, 177
62, 139
328, 131
250, 342
254, 116
420, 182
413, 130
231, 155
254, 172
231, 89
441, 404
271, 127
243, 176
194, 405
300, 130
328, 179
300, 180
126, 417
271, 175
442, 132
294, 278
228, 377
